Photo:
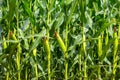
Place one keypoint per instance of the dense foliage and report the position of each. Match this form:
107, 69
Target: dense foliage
59, 39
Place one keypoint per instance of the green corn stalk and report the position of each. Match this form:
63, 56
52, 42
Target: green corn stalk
47, 49
66, 35
63, 48
115, 48
35, 54
35, 65
34, 50
72, 18
84, 51
34, 29
18, 60
18, 46
48, 17
26, 74
13, 37
26, 68
82, 18
72, 9
46, 40
8, 72
4, 47
66, 69
7, 76
99, 55
80, 61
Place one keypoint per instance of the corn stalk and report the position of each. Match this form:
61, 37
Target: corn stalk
47, 49
115, 57
63, 48
82, 18
35, 49
47, 40
99, 55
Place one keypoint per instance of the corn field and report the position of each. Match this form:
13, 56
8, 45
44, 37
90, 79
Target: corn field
59, 39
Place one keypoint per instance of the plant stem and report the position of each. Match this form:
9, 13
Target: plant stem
18, 60
35, 55
63, 48
99, 55
115, 48
66, 54
119, 30
80, 67
47, 49
35, 65
82, 18
84, 51
47, 32
8, 72
66, 70
26, 73
18, 46
7, 75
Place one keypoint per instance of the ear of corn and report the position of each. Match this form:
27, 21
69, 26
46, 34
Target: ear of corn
46, 45
106, 37
99, 46
4, 43
34, 52
60, 41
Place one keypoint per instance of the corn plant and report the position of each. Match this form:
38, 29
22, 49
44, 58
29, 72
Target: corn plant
115, 47
59, 39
